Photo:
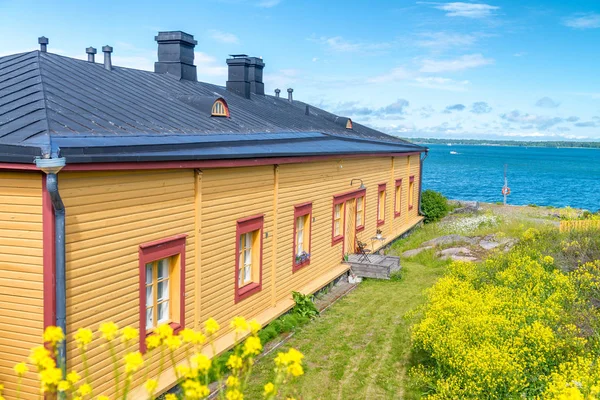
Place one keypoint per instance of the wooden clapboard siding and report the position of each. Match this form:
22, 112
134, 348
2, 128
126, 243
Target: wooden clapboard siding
229, 194
21, 276
108, 215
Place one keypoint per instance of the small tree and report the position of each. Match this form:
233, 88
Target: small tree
434, 205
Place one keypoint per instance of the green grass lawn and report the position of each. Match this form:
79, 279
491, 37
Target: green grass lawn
360, 347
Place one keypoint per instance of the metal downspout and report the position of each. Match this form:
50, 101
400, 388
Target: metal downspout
51, 166
421, 180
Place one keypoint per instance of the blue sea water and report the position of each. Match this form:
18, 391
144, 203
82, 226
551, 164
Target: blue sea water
536, 175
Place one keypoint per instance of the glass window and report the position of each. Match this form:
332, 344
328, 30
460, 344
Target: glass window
360, 203
337, 220
246, 258
158, 276
381, 207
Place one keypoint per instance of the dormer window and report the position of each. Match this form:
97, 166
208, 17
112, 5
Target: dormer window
349, 124
220, 109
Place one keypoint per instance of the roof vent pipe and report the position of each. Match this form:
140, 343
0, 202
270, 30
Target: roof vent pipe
277, 91
290, 97
43, 41
91, 52
107, 63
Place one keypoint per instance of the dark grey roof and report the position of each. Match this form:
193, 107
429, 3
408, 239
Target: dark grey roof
87, 113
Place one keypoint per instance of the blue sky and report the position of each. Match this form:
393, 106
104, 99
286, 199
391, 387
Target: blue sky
481, 69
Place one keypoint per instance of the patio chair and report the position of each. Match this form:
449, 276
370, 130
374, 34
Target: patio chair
362, 251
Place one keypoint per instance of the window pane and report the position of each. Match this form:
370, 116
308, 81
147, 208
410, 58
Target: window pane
337, 228
248, 257
149, 315
149, 297
163, 268
163, 290
247, 273
149, 273
163, 312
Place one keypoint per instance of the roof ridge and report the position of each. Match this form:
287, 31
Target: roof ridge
48, 149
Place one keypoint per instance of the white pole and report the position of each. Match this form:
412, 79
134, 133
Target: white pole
505, 191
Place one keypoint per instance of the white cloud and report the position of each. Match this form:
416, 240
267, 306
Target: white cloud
282, 79
458, 64
435, 82
209, 68
466, 10
223, 37
445, 40
547, 102
520, 54
583, 21
268, 3
542, 122
396, 74
341, 45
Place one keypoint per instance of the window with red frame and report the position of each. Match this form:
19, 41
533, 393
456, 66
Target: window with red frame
162, 285
248, 264
302, 235
398, 198
360, 213
411, 192
381, 204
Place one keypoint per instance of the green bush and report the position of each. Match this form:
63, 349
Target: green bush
434, 205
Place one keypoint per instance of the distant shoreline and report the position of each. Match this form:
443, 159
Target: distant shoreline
509, 143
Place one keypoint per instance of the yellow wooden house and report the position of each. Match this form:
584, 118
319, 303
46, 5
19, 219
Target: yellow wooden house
146, 198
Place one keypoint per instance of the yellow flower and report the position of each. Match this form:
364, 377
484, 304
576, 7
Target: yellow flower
129, 333
183, 370
152, 342
234, 395
187, 335
133, 361
63, 386
295, 369
84, 389
194, 390
295, 356
234, 362
164, 331
252, 346
83, 337
239, 324
269, 389
109, 330
255, 326
53, 334
232, 381
151, 385
201, 362
38, 355
548, 260
50, 377
173, 342
21, 369
73, 377
211, 326
170, 396
102, 397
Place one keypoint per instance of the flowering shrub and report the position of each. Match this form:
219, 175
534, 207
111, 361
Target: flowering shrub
194, 374
512, 327
469, 224
434, 205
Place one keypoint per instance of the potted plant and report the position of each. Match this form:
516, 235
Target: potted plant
379, 234
302, 257
346, 257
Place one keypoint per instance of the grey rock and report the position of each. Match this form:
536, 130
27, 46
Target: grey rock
463, 258
414, 252
488, 244
455, 251
447, 239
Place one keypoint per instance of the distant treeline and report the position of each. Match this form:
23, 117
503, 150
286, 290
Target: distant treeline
483, 142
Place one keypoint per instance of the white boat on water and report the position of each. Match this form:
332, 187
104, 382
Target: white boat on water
453, 152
